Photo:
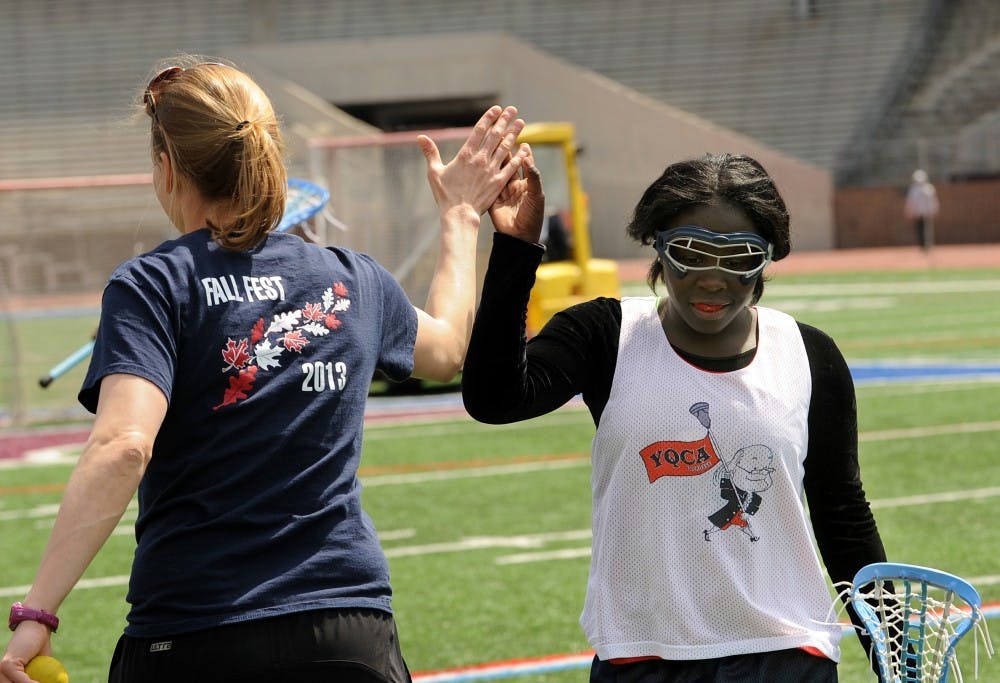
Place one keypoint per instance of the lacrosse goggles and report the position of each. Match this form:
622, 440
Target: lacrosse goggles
691, 248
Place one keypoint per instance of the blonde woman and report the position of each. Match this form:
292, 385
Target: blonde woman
229, 381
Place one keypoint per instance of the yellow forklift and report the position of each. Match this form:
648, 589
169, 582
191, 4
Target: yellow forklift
569, 275
377, 182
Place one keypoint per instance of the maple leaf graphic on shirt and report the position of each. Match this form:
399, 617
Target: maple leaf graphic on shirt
235, 354
239, 387
299, 325
258, 332
313, 312
294, 341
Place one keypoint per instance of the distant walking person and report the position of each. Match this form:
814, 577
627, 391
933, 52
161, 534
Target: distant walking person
921, 207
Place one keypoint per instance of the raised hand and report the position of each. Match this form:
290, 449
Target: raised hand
463, 189
520, 207
482, 167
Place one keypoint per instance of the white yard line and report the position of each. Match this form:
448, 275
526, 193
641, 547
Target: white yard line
544, 556
573, 413
100, 582
486, 542
867, 289
472, 472
934, 386
931, 498
935, 430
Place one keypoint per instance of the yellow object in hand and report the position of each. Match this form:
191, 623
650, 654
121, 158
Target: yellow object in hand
47, 670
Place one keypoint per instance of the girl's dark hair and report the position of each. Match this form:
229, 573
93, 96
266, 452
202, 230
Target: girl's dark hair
222, 136
734, 179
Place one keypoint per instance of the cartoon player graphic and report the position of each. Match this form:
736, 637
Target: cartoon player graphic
740, 482
740, 479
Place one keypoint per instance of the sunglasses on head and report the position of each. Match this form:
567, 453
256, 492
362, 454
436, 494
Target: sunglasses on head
157, 81
692, 248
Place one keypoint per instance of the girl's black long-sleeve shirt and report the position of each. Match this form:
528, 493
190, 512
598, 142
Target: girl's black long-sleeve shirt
508, 378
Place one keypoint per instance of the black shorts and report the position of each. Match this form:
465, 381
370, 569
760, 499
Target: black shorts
328, 645
782, 666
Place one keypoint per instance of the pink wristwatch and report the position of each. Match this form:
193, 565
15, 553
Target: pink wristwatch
19, 613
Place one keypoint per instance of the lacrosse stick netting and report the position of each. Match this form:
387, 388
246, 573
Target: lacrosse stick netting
915, 626
303, 201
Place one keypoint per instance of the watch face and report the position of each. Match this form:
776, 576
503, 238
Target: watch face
16, 615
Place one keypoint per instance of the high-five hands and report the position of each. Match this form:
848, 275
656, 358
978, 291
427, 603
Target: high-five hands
483, 166
520, 208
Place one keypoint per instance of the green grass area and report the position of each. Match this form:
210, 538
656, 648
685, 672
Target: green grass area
458, 602
914, 315
462, 506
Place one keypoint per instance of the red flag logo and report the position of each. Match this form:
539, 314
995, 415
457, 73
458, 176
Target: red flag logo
678, 458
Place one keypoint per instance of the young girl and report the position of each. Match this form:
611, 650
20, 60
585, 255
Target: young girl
717, 419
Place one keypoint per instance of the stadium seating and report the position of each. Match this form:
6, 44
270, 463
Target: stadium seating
867, 90
802, 84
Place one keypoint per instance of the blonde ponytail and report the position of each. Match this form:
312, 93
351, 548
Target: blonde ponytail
260, 187
222, 136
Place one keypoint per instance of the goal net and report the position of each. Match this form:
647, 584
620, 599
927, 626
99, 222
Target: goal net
381, 204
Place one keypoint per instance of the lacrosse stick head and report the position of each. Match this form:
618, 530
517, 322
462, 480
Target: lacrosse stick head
915, 626
302, 202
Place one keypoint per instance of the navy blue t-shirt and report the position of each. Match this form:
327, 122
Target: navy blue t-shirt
250, 506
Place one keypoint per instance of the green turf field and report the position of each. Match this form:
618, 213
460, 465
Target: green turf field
487, 527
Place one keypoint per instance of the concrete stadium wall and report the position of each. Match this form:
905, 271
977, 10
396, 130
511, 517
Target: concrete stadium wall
308, 114
873, 216
627, 138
